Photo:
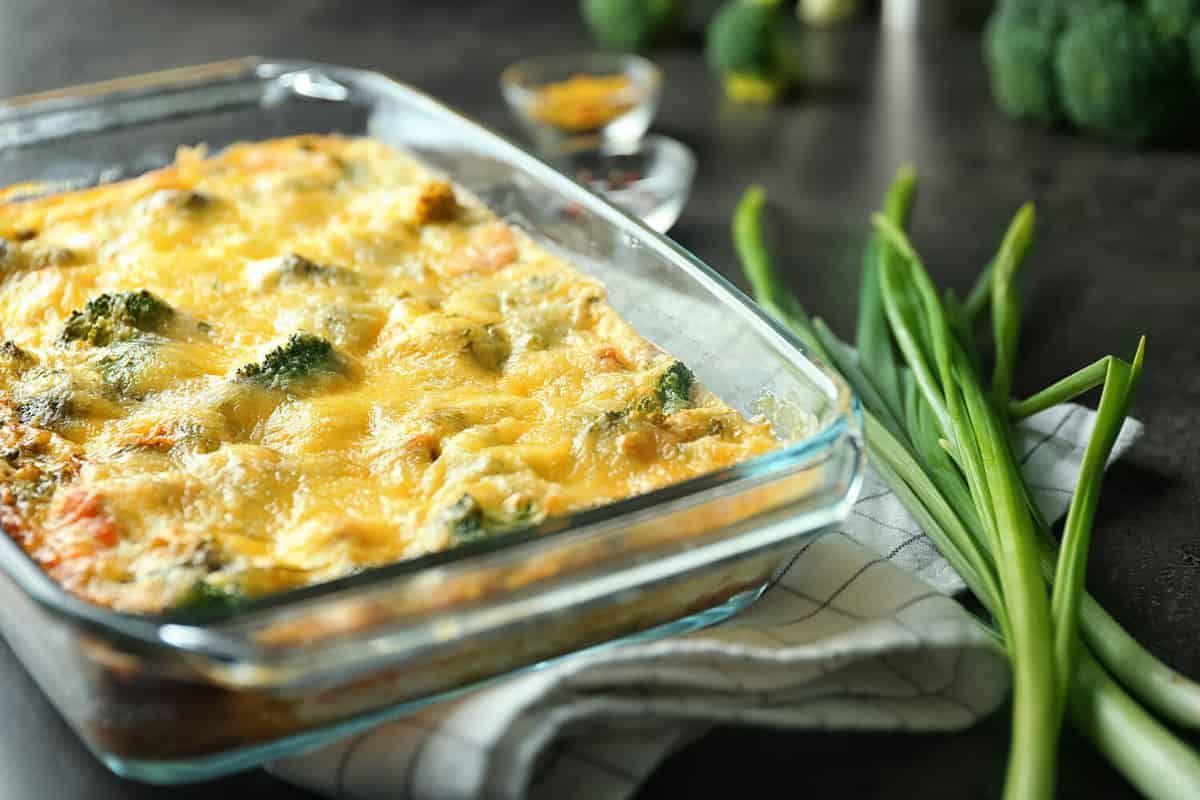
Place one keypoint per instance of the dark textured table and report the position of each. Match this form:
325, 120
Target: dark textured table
1118, 255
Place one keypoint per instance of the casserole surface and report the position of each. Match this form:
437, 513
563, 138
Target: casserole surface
303, 357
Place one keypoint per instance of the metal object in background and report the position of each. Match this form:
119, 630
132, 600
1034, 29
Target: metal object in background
913, 15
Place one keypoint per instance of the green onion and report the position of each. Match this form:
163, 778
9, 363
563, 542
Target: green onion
941, 442
980, 295
1062, 391
875, 351
1006, 316
1072, 555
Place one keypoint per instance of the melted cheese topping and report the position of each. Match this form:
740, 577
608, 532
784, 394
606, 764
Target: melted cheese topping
465, 381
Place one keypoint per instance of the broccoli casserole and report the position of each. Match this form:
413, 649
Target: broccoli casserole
304, 357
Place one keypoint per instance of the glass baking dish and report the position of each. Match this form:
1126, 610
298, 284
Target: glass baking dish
162, 699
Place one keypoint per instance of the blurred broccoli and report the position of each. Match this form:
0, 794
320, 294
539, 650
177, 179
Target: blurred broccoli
204, 601
1173, 19
1194, 49
1107, 66
302, 358
1020, 54
631, 24
747, 45
116, 317
1179, 21
1119, 78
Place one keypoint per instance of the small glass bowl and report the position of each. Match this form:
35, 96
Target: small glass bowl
613, 96
650, 178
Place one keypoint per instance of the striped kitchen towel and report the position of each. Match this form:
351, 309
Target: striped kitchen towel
859, 632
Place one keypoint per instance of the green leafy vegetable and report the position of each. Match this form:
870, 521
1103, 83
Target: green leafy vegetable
116, 317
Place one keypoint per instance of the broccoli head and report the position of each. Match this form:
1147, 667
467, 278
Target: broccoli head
304, 358
747, 46
1118, 78
631, 24
1020, 55
116, 317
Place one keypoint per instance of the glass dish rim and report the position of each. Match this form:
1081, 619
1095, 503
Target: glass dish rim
148, 629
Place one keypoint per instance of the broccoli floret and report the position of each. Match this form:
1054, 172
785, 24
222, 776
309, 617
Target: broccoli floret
48, 410
489, 346
631, 24
747, 45
465, 519
14, 358
48, 398
123, 366
116, 317
469, 522
674, 389
672, 392
204, 601
1020, 51
1119, 79
296, 267
302, 358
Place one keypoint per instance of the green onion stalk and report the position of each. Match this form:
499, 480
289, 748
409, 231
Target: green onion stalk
941, 440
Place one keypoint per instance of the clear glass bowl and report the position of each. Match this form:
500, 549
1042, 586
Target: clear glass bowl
650, 178
613, 96
164, 699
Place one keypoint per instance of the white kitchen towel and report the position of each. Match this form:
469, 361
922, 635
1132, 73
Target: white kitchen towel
857, 633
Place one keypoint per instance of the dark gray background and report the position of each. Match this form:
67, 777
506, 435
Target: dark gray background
1118, 255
